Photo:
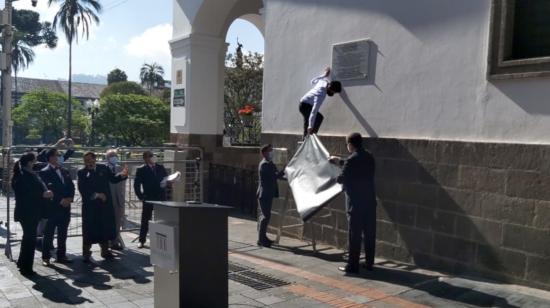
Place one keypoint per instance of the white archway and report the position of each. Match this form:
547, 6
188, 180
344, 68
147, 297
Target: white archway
198, 60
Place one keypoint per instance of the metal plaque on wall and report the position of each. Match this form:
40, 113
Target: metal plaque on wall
179, 98
350, 61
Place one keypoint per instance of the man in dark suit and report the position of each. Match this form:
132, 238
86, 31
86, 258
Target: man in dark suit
98, 215
358, 180
149, 186
58, 210
267, 190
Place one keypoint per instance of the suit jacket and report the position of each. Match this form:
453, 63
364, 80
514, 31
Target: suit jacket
61, 189
98, 217
357, 178
268, 174
118, 190
29, 203
147, 183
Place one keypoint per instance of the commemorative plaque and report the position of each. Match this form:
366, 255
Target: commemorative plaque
350, 61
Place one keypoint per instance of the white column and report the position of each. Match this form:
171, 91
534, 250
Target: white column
198, 59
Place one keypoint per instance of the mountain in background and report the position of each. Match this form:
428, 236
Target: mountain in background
96, 79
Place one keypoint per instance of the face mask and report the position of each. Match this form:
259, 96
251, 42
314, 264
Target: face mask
60, 160
153, 160
113, 160
269, 156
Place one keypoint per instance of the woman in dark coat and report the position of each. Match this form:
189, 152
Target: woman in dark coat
98, 216
30, 195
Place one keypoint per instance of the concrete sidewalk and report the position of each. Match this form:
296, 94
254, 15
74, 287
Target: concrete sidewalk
287, 275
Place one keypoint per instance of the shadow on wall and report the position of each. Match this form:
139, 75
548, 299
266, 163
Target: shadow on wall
530, 95
357, 114
412, 15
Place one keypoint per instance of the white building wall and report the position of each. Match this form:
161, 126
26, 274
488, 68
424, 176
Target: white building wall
430, 79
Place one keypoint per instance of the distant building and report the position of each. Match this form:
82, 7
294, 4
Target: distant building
84, 92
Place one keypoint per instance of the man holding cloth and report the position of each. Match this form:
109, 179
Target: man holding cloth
311, 102
358, 180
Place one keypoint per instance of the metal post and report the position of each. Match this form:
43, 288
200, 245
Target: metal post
7, 35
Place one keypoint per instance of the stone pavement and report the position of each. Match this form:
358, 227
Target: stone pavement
288, 275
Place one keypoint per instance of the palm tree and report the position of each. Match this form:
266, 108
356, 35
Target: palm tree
22, 56
151, 75
74, 16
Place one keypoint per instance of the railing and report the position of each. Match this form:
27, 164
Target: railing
233, 187
190, 188
243, 131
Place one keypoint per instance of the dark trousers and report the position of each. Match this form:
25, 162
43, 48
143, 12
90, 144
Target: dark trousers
28, 245
87, 249
362, 226
146, 216
305, 110
264, 217
61, 222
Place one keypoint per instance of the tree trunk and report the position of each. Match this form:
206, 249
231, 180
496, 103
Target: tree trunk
16, 93
69, 103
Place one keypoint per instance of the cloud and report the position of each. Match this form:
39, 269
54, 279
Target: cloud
152, 44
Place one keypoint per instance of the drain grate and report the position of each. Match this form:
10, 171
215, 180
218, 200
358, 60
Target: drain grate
249, 277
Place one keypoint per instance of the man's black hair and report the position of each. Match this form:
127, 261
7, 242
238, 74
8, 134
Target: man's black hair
91, 154
265, 148
355, 139
50, 153
336, 86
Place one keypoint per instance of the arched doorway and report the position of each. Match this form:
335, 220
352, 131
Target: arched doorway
198, 65
243, 88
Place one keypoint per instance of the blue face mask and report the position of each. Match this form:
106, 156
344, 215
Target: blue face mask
269, 156
113, 160
60, 159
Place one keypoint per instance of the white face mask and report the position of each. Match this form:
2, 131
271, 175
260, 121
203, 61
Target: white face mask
113, 160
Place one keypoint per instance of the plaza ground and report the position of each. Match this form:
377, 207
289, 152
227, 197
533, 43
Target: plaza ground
288, 275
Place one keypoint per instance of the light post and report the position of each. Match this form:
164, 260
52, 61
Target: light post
5, 65
93, 110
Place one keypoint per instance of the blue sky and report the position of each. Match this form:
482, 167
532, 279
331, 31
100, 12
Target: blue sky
131, 33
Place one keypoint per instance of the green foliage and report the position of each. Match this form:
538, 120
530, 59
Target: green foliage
41, 114
76, 15
243, 86
133, 120
29, 32
123, 87
116, 75
151, 76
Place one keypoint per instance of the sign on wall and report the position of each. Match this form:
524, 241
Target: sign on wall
350, 61
179, 98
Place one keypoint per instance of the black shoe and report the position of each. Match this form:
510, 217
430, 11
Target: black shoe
107, 255
64, 260
46, 262
264, 244
348, 269
87, 259
117, 247
368, 267
141, 245
27, 272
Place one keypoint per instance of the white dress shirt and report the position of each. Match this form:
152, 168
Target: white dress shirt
316, 96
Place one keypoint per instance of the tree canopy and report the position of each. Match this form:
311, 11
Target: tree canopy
133, 120
123, 87
40, 116
116, 75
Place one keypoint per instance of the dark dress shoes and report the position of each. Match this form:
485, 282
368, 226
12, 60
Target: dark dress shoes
266, 244
64, 260
141, 245
27, 272
107, 255
46, 262
348, 269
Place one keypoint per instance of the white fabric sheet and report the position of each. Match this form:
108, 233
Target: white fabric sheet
312, 178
